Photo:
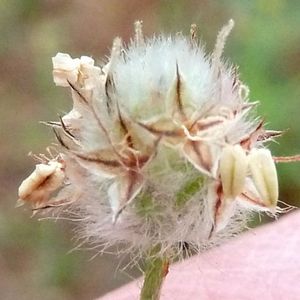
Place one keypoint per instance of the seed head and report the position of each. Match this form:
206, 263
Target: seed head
159, 147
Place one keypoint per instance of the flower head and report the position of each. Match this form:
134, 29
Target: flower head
159, 147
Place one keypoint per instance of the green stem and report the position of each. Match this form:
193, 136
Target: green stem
155, 272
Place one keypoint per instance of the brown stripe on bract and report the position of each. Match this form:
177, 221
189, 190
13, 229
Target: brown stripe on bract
235, 81
130, 185
252, 199
81, 97
259, 135
66, 140
97, 159
199, 154
109, 88
95, 115
270, 134
125, 129
250, 140
60, 140
84, 100
178, 100
65, 129
218, 194
157, 128
202, 125
136, 161
51, 123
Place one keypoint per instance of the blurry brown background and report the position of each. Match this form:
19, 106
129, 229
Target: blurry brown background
34, 258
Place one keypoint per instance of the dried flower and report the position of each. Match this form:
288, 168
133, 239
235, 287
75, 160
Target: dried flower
41, 183
159, 148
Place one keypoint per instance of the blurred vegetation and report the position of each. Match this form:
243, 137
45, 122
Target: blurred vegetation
34, 258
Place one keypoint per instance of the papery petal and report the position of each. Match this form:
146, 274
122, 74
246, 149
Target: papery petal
89, 75
63, 61
86, 62
233, 170
65, 69
45, 179
264, 175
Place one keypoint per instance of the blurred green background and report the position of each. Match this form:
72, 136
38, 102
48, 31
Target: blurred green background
34, 258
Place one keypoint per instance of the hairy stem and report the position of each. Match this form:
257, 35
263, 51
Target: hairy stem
155, 272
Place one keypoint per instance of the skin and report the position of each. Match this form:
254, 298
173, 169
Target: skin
263, 263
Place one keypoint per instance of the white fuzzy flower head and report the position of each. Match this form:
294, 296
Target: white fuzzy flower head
159, 147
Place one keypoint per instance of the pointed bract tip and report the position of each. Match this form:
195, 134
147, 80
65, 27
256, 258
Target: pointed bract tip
19, 203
